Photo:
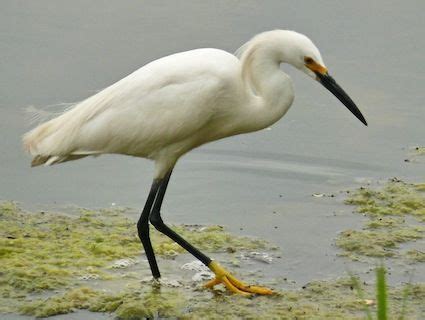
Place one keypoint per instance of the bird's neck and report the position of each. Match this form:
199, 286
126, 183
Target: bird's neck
269, 86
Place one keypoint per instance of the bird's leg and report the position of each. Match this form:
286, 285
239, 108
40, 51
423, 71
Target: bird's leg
156, 220
143, 229
222, 275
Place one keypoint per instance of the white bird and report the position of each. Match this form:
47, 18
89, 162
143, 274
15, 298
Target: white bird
177, 103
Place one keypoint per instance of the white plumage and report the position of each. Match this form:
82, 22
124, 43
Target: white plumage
176, 103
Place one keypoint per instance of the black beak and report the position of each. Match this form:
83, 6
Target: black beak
330, 84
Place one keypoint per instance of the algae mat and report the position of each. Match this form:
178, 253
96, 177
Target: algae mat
56, 263
396, 216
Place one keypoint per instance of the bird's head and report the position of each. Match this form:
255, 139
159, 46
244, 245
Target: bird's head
301, 52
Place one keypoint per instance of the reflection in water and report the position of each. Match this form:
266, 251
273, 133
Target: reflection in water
284, 162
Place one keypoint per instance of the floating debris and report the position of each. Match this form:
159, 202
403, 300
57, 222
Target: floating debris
90, 276
321, 195
171, 283
203, 276
369, 302
318, 195
420, 150
415, 154
202, 272
258, 256
195, 265
156, 282
123, 263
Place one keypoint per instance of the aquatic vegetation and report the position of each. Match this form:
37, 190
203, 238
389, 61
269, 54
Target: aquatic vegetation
80, 298
44, 256
408, 298
396, 215
176, 302
415, 255
46, 250
333, 299
381, 294
126, 305
382, 300
376, 243
396, 198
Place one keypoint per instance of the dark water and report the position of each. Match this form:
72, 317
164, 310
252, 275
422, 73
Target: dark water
53, 52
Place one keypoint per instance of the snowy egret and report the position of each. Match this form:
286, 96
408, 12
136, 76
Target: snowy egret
177, 103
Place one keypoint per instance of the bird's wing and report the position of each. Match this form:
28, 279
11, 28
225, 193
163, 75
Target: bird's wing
159, 104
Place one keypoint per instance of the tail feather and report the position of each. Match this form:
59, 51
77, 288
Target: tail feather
32, 142
38, 160
60, 139
46, 143
33, 138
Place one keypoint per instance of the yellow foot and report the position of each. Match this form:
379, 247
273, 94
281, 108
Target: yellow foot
233, 284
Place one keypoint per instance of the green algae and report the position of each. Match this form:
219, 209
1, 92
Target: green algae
126, 305
155, 304
415, 255
44, 251
396, 198
396, 215
334, 299
79, 298
208, 238
383, 222
381, 243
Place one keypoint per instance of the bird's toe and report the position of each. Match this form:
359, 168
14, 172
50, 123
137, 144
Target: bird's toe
232, 283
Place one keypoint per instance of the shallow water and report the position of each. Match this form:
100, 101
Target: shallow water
259, 184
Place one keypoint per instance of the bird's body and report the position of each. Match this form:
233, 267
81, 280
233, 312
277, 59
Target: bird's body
166, 108
177, 103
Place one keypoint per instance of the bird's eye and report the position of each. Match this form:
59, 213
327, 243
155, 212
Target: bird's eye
308, 60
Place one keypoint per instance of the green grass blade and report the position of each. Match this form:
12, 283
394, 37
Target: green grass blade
381, 293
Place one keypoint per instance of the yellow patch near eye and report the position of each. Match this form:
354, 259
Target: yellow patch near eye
314, 66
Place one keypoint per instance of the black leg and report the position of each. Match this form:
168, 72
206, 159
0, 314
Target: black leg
143, 228
156, 220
